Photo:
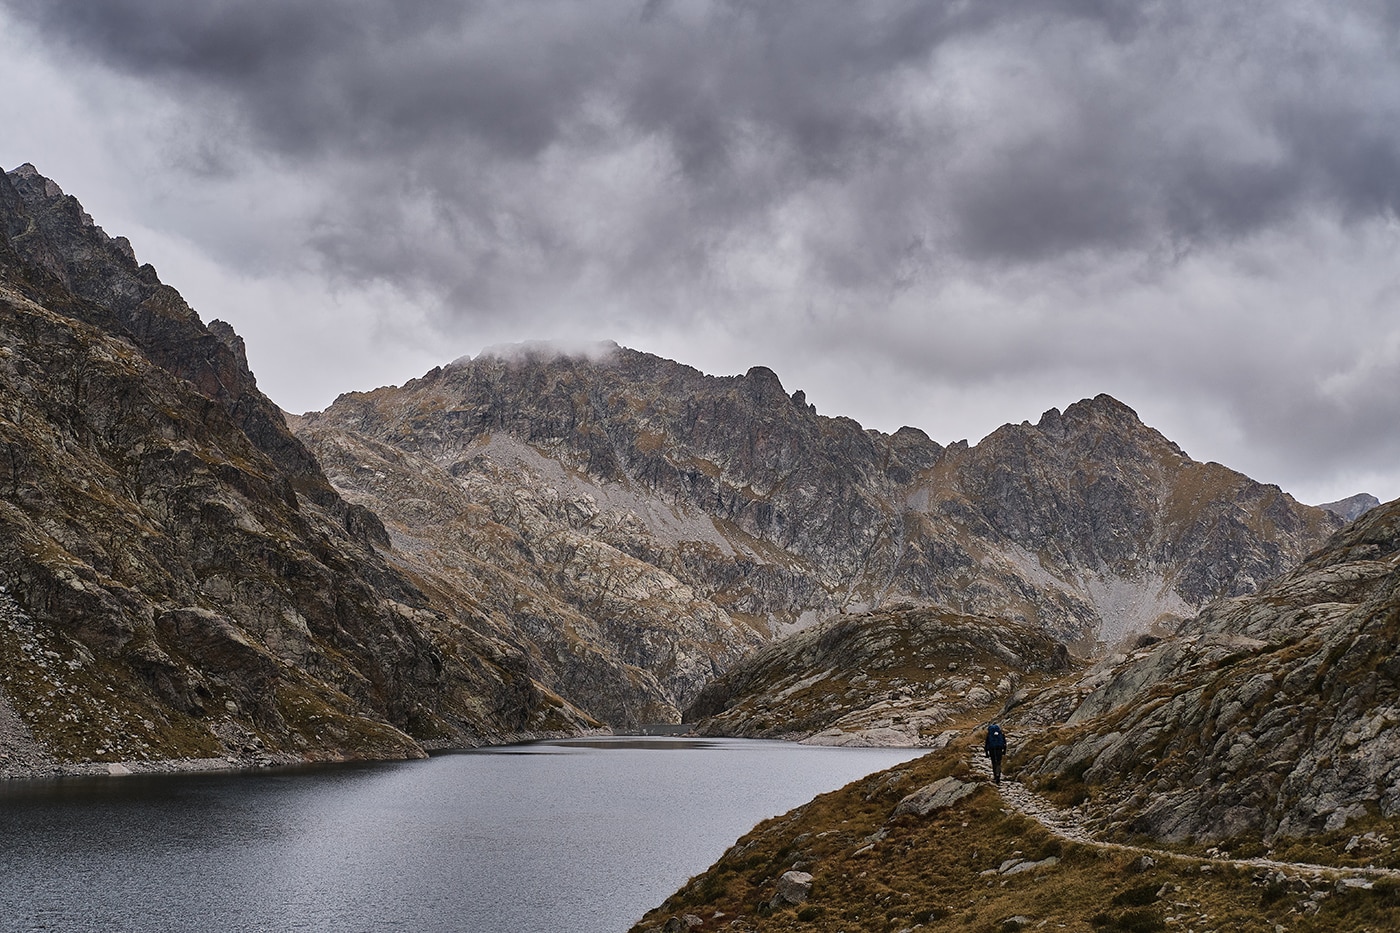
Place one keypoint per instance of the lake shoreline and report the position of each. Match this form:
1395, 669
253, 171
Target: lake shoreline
22, 759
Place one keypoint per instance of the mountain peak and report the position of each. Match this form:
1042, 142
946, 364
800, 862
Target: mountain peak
1352, 507
765, 387
1102, 409
28, 175
1102, 405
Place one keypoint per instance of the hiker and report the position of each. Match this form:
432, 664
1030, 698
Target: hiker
996, 747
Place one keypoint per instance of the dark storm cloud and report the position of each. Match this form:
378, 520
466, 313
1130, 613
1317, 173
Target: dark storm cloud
365, 76
982, 190
757, 102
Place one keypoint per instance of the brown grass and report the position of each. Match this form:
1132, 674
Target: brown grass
875, 874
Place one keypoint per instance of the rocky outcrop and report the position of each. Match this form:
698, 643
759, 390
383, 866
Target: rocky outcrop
111, 291
930, 798
794, 887
1271, 716
181, 580
899, 677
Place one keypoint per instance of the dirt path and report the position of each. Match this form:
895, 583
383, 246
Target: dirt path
1069, 824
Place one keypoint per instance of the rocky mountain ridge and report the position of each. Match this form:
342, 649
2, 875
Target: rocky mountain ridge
178, 577
528, 541
726, 501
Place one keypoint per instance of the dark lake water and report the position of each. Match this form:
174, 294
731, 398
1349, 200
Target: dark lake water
581, 836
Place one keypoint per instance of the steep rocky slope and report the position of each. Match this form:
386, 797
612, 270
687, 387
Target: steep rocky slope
554, 570
1269, 716
1240, 774
931, 845
642, 525
177, 576
896, 676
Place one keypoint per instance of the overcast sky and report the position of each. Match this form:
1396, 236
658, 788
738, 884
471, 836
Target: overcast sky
944, 214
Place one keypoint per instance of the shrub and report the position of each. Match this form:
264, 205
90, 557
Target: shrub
1140, 896
1130, 921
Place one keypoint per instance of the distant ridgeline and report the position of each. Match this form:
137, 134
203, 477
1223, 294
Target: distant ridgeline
524, 543
1352, 507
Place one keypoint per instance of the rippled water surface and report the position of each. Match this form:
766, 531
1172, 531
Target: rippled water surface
582, 836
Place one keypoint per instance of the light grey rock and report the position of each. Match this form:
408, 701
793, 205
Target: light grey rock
941, 793
1352, 507
794, 887
1022, 867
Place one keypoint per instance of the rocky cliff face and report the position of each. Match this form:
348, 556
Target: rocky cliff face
177, 576
1270, 716
676, 519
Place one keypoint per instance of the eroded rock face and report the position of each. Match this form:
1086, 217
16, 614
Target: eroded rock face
101, 283
1272, 715
639, 526
181, 579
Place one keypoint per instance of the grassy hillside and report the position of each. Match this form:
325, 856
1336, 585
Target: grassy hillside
979, 865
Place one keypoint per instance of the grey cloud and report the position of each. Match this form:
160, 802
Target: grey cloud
760, 101
757, 102
973, 190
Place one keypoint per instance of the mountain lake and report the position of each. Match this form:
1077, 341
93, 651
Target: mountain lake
579, 835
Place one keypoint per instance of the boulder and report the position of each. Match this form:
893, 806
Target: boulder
941, 793
794, 887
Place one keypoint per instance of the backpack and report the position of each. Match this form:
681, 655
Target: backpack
995, 737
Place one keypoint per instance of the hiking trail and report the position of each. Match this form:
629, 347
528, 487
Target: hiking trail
1069, 824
